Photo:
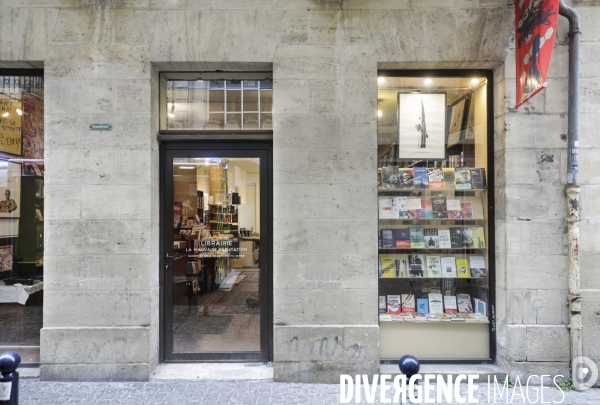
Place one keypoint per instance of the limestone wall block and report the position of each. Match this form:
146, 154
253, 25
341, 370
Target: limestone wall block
589, 271
59, 164
376, 4
533, 130
559, 66
518, 237
308, 131
129, 131
292, 272
359, 96
332, 235
535, 105
589, 130
84, 237
590, 201
517, 341
589, 161
63, 60
522, 167
325, 307
62, 131
549, 343
132, 236
243, 4
291, 96
133, 96
114, 61
590, 311
78, 96
416, 4
13, 25
132, 167
359, 131
290, 236
589, 23
536, 271
589, 96
343, 166
305, 62
115, 201
180, 4
325, 96
557, 95
291, 166
62, 202
308, 27
541, 202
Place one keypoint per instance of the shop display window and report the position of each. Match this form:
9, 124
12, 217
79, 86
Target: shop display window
435, 183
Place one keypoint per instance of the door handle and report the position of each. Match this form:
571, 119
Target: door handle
168, 256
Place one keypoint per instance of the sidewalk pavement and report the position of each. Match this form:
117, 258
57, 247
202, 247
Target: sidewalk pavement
184, 392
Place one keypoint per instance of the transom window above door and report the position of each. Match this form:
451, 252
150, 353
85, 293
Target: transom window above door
216, 101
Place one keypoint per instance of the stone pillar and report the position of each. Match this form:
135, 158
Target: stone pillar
101, 206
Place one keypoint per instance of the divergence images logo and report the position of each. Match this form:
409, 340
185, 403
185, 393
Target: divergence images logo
585, 373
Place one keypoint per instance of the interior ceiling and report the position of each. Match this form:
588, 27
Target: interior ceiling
249, 165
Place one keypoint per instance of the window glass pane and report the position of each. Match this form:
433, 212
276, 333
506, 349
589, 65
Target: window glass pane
433, 222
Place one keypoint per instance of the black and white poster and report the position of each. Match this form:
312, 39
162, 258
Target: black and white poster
422, 126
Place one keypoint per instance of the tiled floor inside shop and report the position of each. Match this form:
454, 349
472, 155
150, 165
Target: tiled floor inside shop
223, 321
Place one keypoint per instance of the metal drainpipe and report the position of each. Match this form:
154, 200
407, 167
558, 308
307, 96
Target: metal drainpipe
572, 189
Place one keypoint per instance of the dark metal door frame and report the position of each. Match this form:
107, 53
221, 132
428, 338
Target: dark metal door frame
262, 149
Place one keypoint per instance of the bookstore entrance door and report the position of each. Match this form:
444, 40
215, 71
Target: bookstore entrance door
216, 278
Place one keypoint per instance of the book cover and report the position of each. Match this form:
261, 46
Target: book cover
481, 307
456, 238
416, 266
478, 178
477, 266
387, 239
408, 303
436, 305
400, 207
462, 268
393, 305
467, 237
420, 178
389, 177
463, 178
388, 267
434, 266
417, 239
402, 238
438, 206
464, 303
478, 237
402, 267
427, 209
382, 304
379, 182
449, 178
385, 208
436, 178
448, 267
431, 238
450, 306
467, 209
422, 306
444, 239
453, 208
414, 208
406, 178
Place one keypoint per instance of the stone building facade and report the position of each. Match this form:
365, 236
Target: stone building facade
101, 62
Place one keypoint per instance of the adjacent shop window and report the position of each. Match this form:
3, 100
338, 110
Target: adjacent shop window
21, 213
215, 102
435, 263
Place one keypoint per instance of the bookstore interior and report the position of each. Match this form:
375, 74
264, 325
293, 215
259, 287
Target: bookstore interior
21, 213
435, 268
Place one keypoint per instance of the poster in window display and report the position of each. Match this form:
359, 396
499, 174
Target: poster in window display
10, 189
421, 126
6, 258
456, 131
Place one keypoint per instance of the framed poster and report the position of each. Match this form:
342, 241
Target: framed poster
421, 126
6, 258
457, 115
10, 189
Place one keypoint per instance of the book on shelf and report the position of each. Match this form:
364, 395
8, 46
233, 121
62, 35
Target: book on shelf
402, 267
414, 208
385, 208
431, 238
477, 266
388, 267
417, 239
436, 178
463, 178
449, 178
450, 306
480, 306
385, 318
478, 237
389, 177
434, 266
454, 209
415, 266
456, 238
422, 306
406, 178
420, 178
448, 266
467, 236
464, 303
435, 303
478, 178
427, 209
400, 207
408, 303
438, 206
444, 239
393, 305
402, 238
382, 304
462, 268
466, 208
420, 317
387, 239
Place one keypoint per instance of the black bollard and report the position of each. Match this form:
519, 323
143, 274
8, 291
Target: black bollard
409, 366
9, 378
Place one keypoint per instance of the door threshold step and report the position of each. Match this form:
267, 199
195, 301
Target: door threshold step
213, 371
483, 370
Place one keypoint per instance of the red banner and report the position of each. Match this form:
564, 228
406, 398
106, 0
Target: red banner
535, 29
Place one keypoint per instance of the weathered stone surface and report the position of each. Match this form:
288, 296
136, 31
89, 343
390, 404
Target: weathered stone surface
547, 343
293, 236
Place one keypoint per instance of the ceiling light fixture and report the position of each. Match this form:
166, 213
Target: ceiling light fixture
187, 167
474, 82
428, 81
380, 80
172, 112
379, 113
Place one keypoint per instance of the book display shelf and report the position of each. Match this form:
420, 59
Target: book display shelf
433, 203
